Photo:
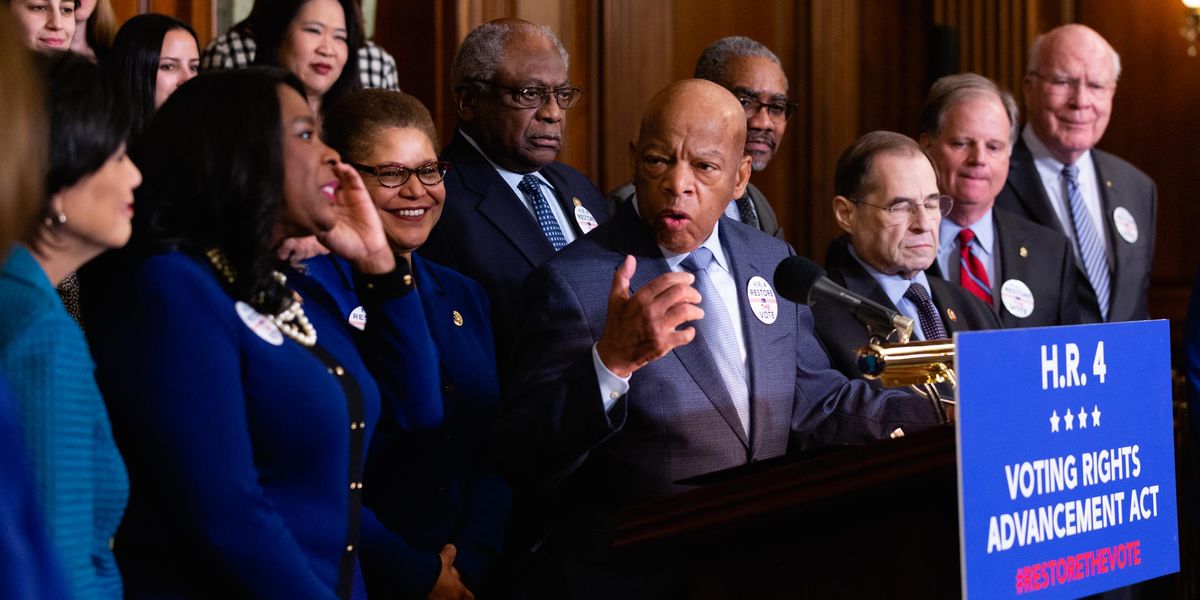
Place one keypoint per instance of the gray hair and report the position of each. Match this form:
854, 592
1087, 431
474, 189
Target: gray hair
481, 52
953, 89
711, 65
1035, 50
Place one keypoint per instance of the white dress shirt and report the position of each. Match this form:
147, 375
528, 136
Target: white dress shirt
513, 179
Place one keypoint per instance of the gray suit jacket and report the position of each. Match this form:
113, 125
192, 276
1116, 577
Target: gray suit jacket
767, 221
1123, 186
1042, 259
677, 420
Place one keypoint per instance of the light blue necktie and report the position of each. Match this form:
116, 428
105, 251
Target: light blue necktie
717, 330
532, 188
1091, 245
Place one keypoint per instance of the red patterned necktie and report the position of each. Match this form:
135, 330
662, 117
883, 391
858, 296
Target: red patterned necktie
972, 275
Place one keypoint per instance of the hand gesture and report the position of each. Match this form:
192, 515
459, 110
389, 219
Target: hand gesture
358, 236
449, 585
642, 327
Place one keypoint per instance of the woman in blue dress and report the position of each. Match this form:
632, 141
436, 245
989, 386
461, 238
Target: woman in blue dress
241, 403
88, 202
432, 485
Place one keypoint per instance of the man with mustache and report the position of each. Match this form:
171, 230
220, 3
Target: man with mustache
1024, 271
510, 206
654, 350
1057, 177
755, 76
889, 205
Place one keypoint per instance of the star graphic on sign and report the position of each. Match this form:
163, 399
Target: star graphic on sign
1095, 415
1082, 418
1054, 421
1070, 417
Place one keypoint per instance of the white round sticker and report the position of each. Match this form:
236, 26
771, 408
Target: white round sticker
584, 217
259, 324
1126, 225
1017, 298
762, 300
358, 318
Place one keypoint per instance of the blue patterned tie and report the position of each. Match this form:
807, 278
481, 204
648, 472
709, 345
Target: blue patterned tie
1091, 245
717, 330
532, 188
931, 325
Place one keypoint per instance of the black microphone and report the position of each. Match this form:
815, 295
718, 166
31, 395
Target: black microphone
801, 280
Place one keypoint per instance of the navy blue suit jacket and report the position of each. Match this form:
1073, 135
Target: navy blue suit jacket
434, 485
488, 234
1123, 185
677, 420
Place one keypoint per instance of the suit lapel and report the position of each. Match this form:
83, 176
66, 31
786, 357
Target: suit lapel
498, 203
1110, 199
1025, 181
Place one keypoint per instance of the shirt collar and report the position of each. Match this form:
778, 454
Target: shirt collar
893, 285
512, 178
1046, 162
985, 234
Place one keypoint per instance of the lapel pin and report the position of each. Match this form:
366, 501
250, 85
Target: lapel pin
1023, 251
950, 313
1107, 183
457, 316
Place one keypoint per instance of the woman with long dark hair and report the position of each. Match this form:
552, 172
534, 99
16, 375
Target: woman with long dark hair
237, 391
317, 40
151, 57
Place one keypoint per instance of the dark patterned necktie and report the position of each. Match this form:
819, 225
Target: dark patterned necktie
746, 211
532, 188
931, 325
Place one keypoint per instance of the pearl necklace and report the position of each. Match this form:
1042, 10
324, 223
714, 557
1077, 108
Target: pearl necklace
291, 321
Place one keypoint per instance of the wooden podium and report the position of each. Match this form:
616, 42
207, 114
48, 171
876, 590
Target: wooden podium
875, 521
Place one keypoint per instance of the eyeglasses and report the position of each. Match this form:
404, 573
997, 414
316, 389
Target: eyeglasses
393, 175
778, 111
1062, 86
533, 96
907, 209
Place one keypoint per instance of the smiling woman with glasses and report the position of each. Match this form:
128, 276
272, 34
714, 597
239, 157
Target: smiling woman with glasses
437, 491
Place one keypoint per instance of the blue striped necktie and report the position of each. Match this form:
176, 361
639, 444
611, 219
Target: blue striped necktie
717, 330
1091, 244
532, 188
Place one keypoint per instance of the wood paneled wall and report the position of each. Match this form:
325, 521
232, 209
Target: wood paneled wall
853, 66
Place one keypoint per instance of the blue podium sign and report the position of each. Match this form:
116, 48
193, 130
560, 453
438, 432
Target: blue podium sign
1066, 464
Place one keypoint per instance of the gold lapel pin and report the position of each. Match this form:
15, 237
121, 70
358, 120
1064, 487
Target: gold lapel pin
576, 202
950, 313
1107, 183
1023, 251
457, 316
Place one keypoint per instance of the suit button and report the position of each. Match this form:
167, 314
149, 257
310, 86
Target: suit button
448, 388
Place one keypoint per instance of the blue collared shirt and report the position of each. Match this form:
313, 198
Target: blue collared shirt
894, 287
984, 247
1050, 171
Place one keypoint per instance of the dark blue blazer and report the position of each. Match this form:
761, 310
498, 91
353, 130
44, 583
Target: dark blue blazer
1123, 185
240, 446
435, 486
677, 420
487, 233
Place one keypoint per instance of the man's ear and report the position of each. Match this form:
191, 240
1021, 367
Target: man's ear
926, 143
743, 177
844, 212
464, 103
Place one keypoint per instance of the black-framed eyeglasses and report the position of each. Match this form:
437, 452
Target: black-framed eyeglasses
778, 111
392, 175
532, 96
907, 209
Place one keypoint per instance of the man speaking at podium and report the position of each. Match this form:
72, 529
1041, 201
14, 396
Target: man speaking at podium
655, 349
